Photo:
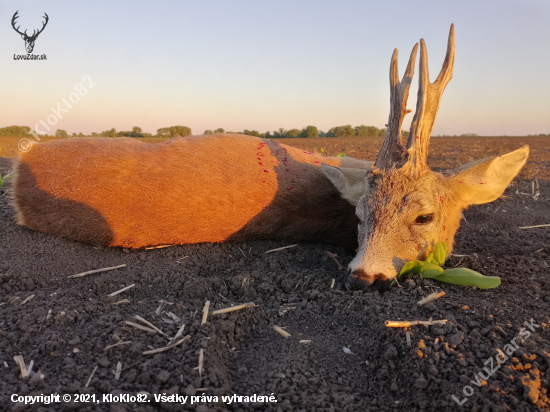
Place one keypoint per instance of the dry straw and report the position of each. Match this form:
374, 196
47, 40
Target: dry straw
281, 331
234, 308
406, 323
89, 272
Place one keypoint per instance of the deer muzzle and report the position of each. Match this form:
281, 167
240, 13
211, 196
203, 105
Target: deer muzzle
359, 281
372, 267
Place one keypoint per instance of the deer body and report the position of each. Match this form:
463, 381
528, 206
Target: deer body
123, 192
233, 187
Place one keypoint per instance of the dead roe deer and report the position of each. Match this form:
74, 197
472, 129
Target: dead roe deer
230, 187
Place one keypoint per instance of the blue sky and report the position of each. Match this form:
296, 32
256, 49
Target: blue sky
266, 64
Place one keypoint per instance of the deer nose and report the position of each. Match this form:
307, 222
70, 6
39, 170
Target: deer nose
358, 280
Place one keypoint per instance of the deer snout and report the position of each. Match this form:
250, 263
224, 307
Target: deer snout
356, 281
359, 279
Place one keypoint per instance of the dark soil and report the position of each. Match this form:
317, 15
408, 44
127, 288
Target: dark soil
352, 362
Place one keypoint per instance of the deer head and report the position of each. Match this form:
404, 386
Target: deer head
403, 207
29, 40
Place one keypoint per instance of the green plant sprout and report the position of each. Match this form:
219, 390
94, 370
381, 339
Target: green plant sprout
3, 180
324, 151
431, 268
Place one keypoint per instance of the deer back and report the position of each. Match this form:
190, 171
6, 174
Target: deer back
123, 192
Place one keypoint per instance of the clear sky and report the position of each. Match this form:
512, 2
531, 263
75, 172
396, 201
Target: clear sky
266, 64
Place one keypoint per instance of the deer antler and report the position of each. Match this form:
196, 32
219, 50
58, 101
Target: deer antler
429, 97
15, 16
34, 33
43, 26
392, 148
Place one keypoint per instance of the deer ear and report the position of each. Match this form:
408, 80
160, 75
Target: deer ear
350, 182
484, 180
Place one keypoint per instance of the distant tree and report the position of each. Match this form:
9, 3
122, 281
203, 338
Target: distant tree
208, 132
163, 132
94, 134
468, 135
322, 134
364, 131
15, 131
109, 133
293, 133
219, 130
404, 133
174, 131
330, 133
135, 132
343, 131
268, 135
310, 131
252, 133
61, 133
80, 134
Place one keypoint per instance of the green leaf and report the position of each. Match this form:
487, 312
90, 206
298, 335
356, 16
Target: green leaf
2, 181
430, 258
440, 253
414, 266
468, 277
341, 155
431, 270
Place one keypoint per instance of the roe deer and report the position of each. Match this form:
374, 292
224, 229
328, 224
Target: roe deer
406, 208
223, 187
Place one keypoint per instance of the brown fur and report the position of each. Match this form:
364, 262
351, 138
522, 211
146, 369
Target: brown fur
390, 236
393, 199
123, 192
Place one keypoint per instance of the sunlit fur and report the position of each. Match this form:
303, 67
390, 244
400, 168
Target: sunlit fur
123, 192
389, 235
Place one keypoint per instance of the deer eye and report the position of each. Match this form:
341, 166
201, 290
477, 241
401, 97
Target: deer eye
423, 219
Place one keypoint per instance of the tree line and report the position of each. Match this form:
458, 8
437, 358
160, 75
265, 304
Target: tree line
313, 131
173, 131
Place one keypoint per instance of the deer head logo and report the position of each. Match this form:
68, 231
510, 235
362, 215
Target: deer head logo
29, 40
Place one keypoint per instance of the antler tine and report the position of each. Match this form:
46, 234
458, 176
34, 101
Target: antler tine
15, 17
427, 105
35, 33
44, 24
392, 148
